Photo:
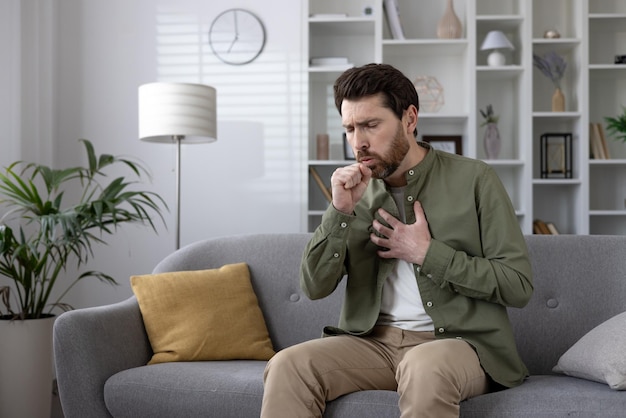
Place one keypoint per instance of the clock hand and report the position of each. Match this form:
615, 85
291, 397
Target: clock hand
232, 43
236, 32
236, 24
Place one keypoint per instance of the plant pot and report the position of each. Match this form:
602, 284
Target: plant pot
26, 367
492, 141
558, 101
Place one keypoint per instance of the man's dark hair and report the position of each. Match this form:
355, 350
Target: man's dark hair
370, 79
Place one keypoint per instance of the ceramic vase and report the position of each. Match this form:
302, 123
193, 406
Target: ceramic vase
558, 101
492, 141
449, 26
26, 367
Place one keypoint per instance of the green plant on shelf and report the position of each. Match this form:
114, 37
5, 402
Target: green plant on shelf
616, 126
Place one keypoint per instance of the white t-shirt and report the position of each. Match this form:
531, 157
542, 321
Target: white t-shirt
402, 304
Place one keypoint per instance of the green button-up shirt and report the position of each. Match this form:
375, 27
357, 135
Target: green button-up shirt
476, 266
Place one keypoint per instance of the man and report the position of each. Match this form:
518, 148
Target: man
432, 253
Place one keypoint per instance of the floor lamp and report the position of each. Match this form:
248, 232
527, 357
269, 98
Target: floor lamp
177, 113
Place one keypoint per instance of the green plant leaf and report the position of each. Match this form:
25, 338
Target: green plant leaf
41, 232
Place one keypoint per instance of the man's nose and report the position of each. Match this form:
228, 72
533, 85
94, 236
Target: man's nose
359, 138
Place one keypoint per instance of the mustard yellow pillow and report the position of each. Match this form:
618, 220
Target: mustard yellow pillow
202, 315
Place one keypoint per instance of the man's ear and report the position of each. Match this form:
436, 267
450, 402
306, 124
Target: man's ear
411, 119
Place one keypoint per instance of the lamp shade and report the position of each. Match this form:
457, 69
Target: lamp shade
183, 110
495, 39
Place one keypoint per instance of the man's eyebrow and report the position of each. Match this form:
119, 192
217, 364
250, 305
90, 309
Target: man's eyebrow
362, 123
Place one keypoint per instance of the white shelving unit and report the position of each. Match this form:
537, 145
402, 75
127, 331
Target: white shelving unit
592, 32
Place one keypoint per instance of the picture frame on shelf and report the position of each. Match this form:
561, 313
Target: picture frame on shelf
556, 155
348, 153
452, 144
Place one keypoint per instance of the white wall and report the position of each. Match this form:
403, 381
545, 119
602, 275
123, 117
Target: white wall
9, 80
247, 182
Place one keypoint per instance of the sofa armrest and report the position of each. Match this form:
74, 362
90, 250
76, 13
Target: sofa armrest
91, 345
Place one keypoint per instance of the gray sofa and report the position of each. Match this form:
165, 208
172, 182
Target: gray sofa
101, 353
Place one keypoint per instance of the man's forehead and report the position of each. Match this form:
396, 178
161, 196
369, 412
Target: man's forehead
362, 111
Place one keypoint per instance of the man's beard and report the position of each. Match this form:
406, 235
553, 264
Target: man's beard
387, 165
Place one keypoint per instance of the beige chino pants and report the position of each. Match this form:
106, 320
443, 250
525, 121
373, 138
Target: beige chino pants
431, 375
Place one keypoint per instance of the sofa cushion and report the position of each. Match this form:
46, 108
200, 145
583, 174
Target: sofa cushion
202, 315
548, 396
224, 389
234, 389
600, 355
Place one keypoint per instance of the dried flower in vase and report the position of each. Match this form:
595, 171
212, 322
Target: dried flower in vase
552, 65
489, 116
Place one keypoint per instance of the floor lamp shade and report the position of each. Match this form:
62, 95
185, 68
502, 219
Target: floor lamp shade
177, 110
177, 113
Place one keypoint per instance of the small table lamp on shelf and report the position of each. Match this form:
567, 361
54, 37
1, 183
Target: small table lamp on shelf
177, 113
494, 41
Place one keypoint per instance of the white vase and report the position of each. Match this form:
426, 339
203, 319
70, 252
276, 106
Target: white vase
26, 367
492, 141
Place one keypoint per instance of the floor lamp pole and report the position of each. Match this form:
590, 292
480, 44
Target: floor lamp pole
178, 139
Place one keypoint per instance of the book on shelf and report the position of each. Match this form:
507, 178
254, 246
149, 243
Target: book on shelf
320, 183
605, 148
392, 11
552, 228
595, 146
544, 228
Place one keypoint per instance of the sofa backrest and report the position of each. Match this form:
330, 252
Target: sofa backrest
274, 263
579, 282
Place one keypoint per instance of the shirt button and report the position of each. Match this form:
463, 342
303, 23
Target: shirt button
343, 224
430, 276
441, 330
410, 198
411, 172
429, 304
336, 255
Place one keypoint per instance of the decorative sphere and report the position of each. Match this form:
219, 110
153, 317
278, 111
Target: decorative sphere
430, 93
551, 34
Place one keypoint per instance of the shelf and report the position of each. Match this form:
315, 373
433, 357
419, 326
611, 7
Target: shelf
505, 163
507, 72
341, 19
607, 16
330, 162
607, 213
593, 32
448, 117
615, 161
607, 67
556, 182
504, 23
425, 46
561, 44
316, 212
557, 115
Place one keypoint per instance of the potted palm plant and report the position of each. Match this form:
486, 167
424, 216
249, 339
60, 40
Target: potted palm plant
51, 220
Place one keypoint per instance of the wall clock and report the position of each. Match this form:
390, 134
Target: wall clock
237, 36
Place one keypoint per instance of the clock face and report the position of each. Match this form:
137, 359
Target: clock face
237, 36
